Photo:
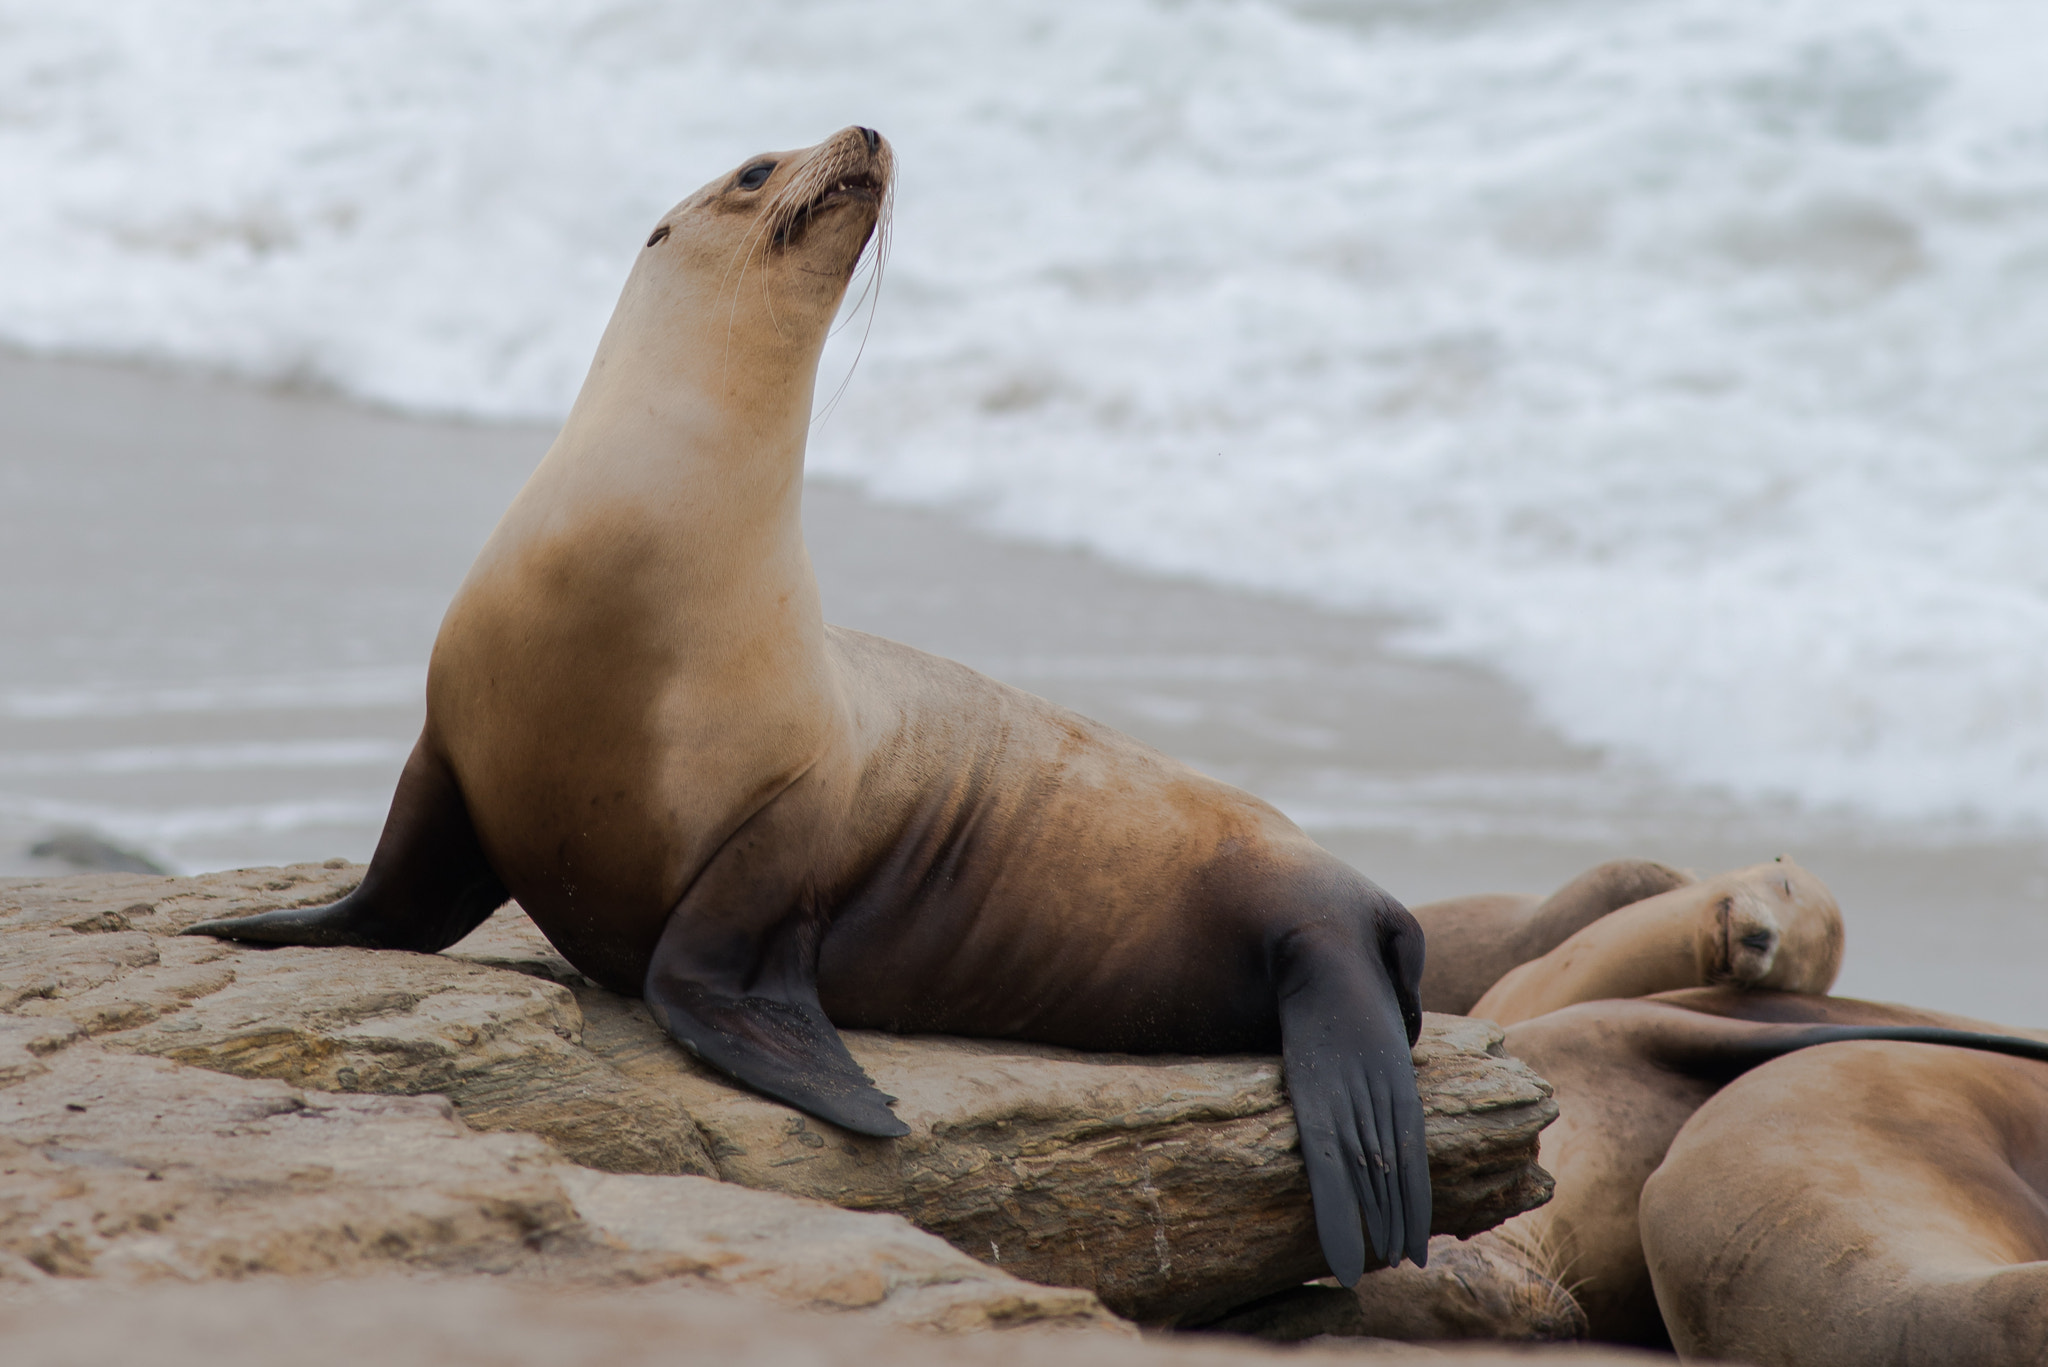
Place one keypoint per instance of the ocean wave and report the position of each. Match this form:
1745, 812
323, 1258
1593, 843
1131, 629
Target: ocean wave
1680, 360
377, 686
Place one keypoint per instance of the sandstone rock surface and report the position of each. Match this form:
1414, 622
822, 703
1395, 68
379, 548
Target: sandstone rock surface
444, 1322
128, 1170
1481, 1288
1167, 1186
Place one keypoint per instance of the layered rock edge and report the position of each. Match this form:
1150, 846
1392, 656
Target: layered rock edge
1170, 1188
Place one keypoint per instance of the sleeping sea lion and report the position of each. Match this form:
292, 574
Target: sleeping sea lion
1772, 926
640, 726
1862, 1205
1474, 941
1628, 1075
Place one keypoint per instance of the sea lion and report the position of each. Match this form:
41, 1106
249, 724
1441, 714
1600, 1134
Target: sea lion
1770, 926
1473, 941
1628, 1075
1861, 1204
640, 726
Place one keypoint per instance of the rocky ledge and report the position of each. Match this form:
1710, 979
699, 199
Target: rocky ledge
190, 1108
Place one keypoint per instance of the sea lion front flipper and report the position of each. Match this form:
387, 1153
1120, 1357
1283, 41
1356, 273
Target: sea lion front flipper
428, 884
771, 1034
1345, 1052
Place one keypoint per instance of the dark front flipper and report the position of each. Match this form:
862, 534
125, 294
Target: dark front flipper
765, 1026
428, 884
1345, 1052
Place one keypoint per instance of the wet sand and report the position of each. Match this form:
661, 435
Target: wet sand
218, 602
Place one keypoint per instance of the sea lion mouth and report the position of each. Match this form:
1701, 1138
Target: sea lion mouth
851, 187
860, 185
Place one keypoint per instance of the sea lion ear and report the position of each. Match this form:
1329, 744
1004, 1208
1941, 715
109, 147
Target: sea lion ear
1402, 950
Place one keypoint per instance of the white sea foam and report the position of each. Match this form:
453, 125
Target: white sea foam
1683, 360
163, 828
386, 686
359, 753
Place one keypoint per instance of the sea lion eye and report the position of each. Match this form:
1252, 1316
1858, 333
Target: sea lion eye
754, 177
1758, 940
657, 235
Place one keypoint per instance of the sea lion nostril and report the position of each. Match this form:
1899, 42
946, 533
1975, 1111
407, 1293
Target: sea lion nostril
874, 140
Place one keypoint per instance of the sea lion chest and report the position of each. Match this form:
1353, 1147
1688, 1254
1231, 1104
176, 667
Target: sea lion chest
609, 742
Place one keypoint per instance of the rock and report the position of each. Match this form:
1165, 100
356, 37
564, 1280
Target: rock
1170, 1187
1482, 1288
504, 1047
808, 1253
526, 1324
84, 850
134, 1169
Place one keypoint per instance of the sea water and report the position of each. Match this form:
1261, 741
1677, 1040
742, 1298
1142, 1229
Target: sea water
1685, 361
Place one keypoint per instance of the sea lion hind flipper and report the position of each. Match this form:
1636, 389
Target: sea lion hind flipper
428, 884
1345, 1053
783, 1048
1728, 1058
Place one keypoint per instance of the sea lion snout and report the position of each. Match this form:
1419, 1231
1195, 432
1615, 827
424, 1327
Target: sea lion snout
853, 167
1772, 926
1809, 928
1743, 941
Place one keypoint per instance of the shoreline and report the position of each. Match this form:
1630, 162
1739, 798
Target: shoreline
225, 595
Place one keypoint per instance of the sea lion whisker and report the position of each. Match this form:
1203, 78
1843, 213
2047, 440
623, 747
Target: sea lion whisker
877, 257
874, 259
792, 205
1540, 1250
767, 304
755, 237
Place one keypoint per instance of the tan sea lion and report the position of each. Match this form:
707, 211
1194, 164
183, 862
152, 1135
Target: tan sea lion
1772, 926
1474, 941
639, 725
1862, 1205
1628, 1076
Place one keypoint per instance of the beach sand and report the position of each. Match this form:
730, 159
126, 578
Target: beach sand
219, 600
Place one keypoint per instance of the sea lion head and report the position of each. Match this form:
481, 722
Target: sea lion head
1773, 926
765, 251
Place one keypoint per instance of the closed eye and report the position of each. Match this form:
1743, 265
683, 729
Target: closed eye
1758, 940
754, 177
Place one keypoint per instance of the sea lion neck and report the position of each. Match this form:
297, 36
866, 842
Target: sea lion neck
699, 453
673, 494
693, 419
690, 429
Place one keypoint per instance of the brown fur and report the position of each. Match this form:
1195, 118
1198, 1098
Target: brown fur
1474, 941
1628, 1076
1772, 926
1859, 1204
